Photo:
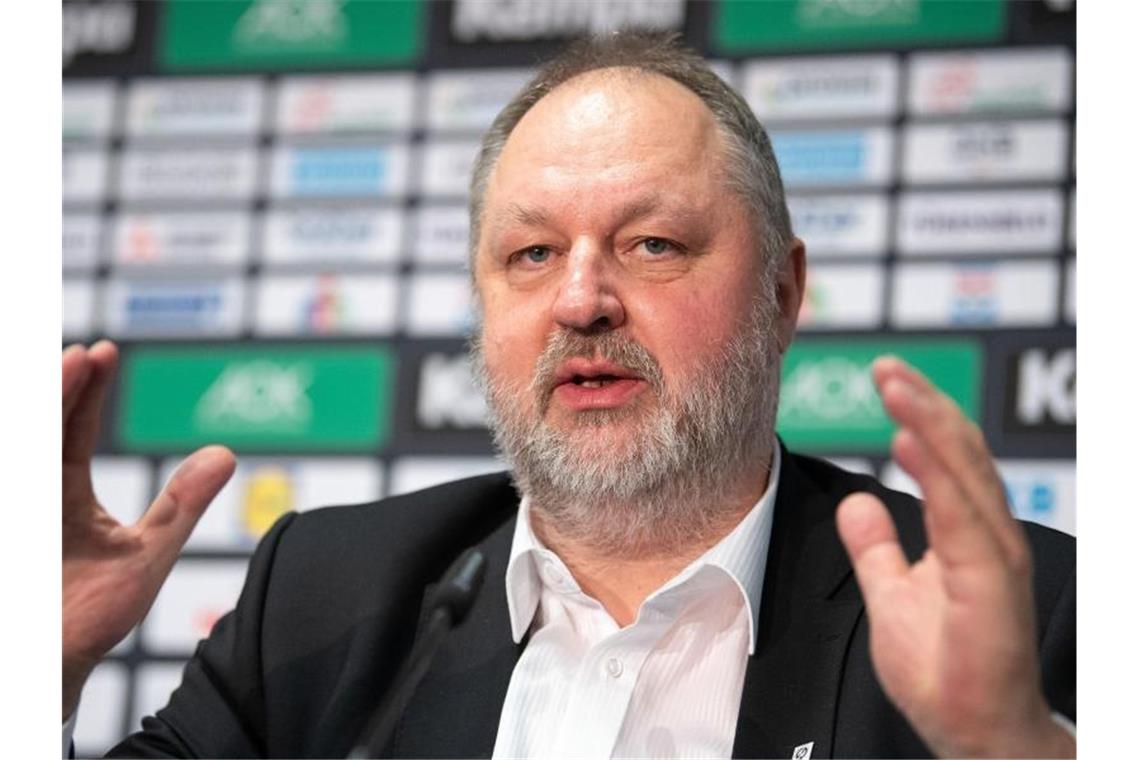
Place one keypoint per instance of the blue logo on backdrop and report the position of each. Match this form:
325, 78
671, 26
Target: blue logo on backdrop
1034, 499
338, 171
162, 309
839, 157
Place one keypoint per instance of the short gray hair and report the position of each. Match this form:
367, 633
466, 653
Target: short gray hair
750, 163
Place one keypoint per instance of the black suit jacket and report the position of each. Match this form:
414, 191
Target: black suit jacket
333, 598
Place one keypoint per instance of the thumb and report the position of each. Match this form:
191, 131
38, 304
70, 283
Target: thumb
869, 536
175, 511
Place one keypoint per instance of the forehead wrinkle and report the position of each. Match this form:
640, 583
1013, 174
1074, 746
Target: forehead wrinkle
636, 209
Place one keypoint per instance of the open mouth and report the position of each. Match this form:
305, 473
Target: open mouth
596, 384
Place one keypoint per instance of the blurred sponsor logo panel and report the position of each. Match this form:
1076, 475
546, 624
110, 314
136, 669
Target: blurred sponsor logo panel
468, 100
326, 304
843, 296
267, 399
78, 308
974, 221
173, 308
264, 488
350, 103
840, 157
101, 715
176, 107
81, 235
981, 294
828, 400
210, 240
188, 173
990, 81
822, 88
339, 171
89, 109
322, 237
415, 473
989, 151
841, 225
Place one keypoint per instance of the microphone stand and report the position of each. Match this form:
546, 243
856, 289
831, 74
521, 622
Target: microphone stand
447, 607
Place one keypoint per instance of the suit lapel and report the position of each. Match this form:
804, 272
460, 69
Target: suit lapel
455, 710
807, 616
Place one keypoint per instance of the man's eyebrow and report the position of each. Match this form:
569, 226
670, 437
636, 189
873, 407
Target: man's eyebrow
531, 217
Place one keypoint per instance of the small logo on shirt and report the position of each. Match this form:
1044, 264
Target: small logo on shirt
802, 752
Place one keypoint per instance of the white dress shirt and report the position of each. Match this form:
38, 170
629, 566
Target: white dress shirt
668, 685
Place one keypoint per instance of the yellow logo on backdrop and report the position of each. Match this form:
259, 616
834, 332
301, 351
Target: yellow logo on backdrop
269, 493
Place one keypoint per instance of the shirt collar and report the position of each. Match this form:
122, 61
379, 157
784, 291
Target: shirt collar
742, 555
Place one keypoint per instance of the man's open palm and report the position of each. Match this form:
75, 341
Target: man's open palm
952, 636
112, 572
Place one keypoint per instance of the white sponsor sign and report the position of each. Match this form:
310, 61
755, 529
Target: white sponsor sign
88, 110
78, 308
80, 252
439, 304
99, 719
990, 151
1038, 490
173, 308
840, 157
183, 107
1071, 291
416, 473
842, 296
84, 175
975, 221
194, 596
841, 225
979, 81
326, 304
822, 87
189, 173
154, 683
264, 488
214, 239
445, 170
330, 236
479, 20
441, 235
367, 170
345, 104
122, 485
469, 100
1018, 293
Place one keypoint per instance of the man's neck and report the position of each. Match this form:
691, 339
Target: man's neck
621, 581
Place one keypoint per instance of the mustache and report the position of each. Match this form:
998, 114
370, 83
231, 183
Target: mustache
613, 346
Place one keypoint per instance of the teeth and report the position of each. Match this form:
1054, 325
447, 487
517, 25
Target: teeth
591, 383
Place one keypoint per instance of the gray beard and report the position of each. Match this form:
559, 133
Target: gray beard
669, 484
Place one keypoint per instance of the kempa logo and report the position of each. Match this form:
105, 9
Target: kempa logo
102, 28
831, 390
257, 393
857, 12
311, 23
1047, 387
510, 20
447, 396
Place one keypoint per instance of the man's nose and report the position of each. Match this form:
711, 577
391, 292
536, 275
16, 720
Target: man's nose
587, 299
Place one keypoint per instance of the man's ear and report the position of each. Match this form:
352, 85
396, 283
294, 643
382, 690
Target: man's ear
790, 291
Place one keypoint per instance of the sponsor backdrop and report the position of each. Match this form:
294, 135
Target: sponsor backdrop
264, 202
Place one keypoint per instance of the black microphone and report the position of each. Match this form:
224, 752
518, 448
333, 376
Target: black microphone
446, 606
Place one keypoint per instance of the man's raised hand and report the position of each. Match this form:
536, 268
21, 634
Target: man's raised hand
952, 636
112, 572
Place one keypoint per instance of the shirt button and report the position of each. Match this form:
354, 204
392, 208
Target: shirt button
613, 667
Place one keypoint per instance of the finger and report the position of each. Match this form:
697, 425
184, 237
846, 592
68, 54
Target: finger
173, 514
76, 371
82, 431
869, 536
956, 529
910, 398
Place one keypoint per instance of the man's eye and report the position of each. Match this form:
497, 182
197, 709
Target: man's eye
657, 246
536, 254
